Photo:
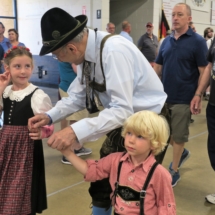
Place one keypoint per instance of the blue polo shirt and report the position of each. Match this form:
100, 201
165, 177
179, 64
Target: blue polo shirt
180, 60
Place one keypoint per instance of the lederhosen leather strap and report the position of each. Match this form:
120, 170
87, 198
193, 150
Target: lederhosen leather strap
133, 193
143, 191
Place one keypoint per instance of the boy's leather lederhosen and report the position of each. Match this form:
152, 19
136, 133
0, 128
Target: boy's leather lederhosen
129, 194
100, 190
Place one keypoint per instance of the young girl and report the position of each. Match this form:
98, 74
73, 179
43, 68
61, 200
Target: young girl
22, 175
145, 136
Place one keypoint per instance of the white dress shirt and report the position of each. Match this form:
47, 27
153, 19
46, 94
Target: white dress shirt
131, 85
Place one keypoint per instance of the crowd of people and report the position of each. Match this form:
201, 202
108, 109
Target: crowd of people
150, 103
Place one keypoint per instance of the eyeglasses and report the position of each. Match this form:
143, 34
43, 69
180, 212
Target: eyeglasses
56, 55
148, 26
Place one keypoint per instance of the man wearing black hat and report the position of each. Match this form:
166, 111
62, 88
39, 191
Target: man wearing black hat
148, 44
114, 71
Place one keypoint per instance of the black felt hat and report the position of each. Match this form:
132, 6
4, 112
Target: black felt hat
58, 28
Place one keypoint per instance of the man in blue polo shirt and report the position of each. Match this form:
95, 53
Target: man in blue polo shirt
180, 64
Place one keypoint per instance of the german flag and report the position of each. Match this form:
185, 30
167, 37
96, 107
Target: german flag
164, 26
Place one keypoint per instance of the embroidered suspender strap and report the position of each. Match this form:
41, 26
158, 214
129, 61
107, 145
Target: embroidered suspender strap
117, 182
101, 49
143, 191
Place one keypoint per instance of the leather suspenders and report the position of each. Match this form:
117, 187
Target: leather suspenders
142, 193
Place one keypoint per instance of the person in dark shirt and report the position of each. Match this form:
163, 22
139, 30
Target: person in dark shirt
148, 44
195, 107
180, 64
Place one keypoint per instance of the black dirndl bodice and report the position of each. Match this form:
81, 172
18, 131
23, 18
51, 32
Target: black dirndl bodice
18, 112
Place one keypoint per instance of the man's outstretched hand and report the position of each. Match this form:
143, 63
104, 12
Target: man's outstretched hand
38, 121
62, 139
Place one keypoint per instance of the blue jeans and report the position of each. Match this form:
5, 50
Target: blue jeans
101, 211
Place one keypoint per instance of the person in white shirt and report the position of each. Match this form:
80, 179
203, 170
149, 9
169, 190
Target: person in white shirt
121, 77
126, 30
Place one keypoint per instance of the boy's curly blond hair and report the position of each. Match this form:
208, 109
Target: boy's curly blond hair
151, 126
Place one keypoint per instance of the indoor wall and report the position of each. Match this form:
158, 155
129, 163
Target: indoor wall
7, 9
137, 12
31, 11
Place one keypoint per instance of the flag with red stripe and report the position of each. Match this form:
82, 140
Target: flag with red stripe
164, 26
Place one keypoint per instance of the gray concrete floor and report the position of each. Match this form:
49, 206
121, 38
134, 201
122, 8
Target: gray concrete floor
68, 193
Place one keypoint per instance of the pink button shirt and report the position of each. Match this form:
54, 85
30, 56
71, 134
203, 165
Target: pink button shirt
159, 198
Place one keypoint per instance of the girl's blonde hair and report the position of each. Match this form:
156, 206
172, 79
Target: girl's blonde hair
151, 126
16, 51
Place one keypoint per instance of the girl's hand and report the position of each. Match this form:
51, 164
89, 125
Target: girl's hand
4, 80
35, 133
